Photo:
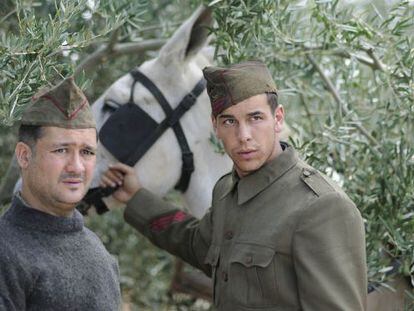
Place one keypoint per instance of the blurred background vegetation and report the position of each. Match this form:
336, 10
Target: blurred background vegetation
345, 72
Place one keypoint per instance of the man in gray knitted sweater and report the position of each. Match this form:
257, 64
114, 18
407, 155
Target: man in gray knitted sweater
48, 259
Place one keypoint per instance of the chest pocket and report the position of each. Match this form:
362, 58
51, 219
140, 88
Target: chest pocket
252, 275
212, 259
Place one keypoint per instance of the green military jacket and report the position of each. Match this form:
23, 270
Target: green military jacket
282, 238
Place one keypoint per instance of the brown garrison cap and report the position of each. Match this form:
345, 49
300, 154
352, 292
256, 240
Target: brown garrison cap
64, 105
228, 86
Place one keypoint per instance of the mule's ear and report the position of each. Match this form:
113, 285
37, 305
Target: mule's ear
189, 38
208, 52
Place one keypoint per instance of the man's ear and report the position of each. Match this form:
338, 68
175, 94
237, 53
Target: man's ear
23, 154
279, 118
214, 121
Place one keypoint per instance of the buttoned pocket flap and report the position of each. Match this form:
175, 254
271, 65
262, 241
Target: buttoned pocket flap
212, 256
250, 255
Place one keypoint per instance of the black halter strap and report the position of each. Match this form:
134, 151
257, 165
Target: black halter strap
171, 120
95, 195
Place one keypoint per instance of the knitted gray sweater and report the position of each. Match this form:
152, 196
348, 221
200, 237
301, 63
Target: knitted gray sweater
53, 263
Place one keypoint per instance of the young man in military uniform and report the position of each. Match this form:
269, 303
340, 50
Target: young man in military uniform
279, 234
48, 259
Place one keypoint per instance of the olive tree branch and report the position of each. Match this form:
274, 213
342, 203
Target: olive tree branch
17, 89
362, 59
371, 61
113, 39
340, 103
7, 16
117, 49
378, 64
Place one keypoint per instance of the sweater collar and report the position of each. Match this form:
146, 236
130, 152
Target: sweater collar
252, 184
22, 215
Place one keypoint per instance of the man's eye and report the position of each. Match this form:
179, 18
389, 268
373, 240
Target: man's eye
60, 150
88, 152
255, 118
228, 122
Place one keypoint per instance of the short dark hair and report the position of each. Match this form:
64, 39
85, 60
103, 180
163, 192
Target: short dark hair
272, 101
29, 134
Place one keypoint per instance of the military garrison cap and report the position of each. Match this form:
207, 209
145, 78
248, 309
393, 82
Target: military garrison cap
227, 86
64, 106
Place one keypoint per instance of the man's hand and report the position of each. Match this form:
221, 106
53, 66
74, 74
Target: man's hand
124, 177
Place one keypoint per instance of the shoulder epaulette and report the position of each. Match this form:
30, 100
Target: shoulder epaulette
316, 181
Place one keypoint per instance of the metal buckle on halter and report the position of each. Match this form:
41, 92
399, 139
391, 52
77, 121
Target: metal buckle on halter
188, 163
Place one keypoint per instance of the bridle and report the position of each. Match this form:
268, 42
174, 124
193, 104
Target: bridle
172, 118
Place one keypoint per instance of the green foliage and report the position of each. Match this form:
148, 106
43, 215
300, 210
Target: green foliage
345, 75
37, 37
217, 144
7, 143
43, 41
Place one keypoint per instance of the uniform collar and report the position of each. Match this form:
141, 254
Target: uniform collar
230, 183
250, 185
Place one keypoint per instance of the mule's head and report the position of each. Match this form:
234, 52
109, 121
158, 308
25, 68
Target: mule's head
175, 72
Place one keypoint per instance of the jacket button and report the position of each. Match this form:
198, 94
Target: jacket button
225, 276
249, 259
229, 235
306, 173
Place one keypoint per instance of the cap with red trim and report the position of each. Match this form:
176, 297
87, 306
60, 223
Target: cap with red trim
227, 86
64, 105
